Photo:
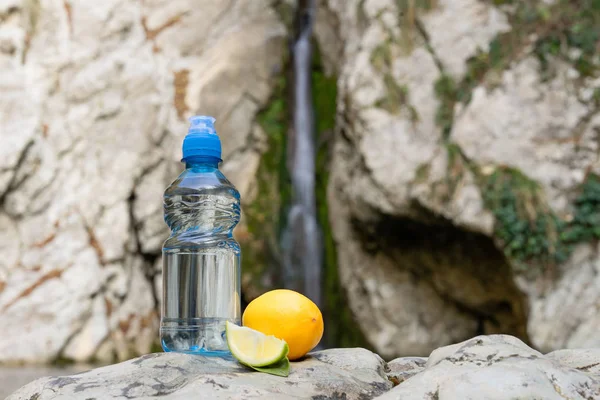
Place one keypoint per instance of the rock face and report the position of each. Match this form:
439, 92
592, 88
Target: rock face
331, 374
93, 104
485, 367
463, 186
464, 172
501, 367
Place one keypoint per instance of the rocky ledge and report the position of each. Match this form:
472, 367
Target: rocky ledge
485, 367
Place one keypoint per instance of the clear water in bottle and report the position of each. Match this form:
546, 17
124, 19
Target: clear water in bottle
201, 259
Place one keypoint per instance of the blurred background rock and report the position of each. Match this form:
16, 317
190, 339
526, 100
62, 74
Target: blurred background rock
456, 190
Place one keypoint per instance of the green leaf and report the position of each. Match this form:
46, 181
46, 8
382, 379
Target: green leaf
282, 368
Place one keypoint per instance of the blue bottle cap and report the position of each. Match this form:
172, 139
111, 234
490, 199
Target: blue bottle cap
202, 139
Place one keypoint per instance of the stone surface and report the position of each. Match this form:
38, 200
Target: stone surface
12, 378
400, 369
338, 373
473, 27
484, 367
496, 367
418, 252
566, 314
586, 360
93, 104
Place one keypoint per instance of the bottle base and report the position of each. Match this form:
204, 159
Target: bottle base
199, 351
201, 336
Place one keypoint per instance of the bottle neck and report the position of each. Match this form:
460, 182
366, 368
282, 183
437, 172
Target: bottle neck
202, 162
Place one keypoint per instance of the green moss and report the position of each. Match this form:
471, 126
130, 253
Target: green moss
340, 328
567, 25
381, 56
530, 233
361, 15
559, 27
62, 361
260, 247
156, 347
477, 67
422, 173
596, 97
408, 11
585, 225
324, 90
446, 92
396, 96
525, 226
449, 92
456, 165
396, 99
286, 12
444, 189
454, 153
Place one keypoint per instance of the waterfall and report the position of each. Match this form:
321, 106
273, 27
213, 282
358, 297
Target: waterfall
302, 247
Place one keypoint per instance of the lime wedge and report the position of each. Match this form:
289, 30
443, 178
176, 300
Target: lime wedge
253, 348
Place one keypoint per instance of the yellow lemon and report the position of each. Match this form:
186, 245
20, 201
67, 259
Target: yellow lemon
289, 316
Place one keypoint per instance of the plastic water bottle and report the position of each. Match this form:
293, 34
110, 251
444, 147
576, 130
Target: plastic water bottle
201, 259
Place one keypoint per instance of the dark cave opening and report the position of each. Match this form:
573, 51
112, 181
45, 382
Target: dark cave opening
463, 268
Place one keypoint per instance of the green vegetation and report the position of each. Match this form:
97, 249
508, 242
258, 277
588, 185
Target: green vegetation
341, 329
555, 29
443, 190
530, 233
410, 7
456, 168
263, 216
446, 92
449, 92
596, 98
62, 361
585, 225
324, 91
381, 56
422, 173
396, 97
407, 14
286, 12
566, 25
526, 228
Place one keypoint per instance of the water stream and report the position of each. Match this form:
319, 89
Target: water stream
302, 247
